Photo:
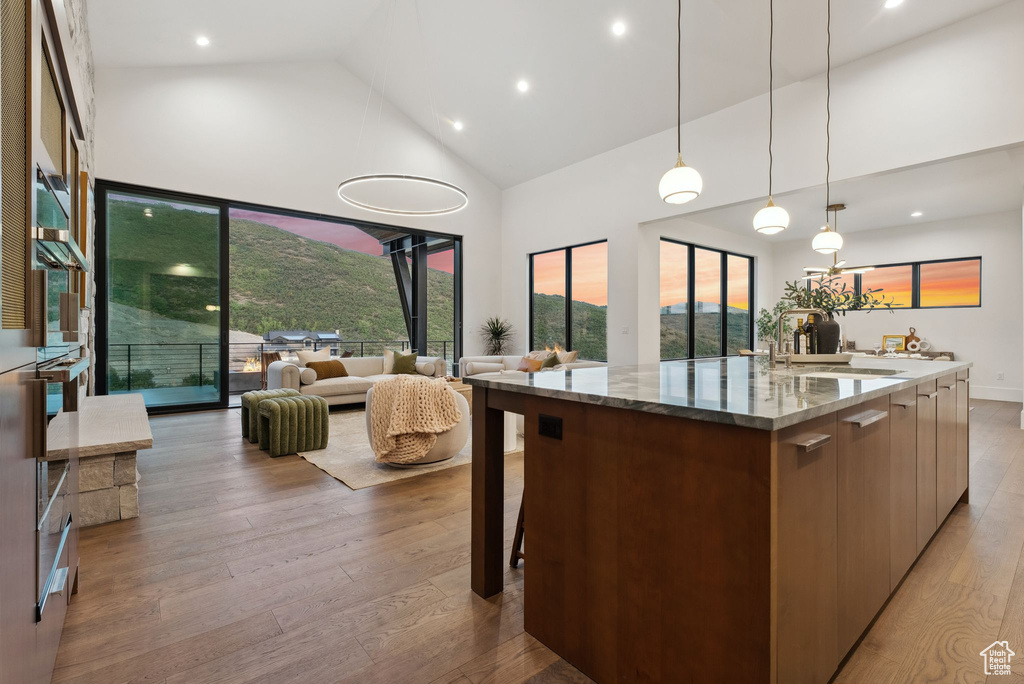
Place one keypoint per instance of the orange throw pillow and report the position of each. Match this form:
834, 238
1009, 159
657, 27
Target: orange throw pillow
328, 369
530, 365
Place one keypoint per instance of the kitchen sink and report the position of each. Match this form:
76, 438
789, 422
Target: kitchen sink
846, 373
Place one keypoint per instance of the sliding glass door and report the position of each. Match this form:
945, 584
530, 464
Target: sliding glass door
160, 321
196, 293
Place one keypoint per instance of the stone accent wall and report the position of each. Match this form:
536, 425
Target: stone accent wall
108, 488
81, 60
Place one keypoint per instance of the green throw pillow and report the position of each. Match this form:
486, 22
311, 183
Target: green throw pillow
550, 362
404, 364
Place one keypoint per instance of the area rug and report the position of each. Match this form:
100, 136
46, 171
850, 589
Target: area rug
349, 458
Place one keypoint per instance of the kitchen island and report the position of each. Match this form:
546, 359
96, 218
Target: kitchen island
718, 520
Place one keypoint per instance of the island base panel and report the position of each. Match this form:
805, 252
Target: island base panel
649, 542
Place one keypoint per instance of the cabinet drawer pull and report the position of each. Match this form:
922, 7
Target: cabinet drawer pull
966, 381
814, 442
866, 418
930, 395
949, 386
37, 388
905, 404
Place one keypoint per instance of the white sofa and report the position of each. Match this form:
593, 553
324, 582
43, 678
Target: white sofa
363, 372
478, 365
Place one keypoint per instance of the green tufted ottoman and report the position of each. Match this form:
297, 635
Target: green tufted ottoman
291, 424
250, 412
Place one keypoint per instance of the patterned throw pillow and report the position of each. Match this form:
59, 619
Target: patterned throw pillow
568, 356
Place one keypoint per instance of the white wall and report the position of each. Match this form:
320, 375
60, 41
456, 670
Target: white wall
940, 95
282, 135
990, 335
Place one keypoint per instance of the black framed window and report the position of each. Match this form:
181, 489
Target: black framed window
938, 284
706, 301
569, 300
193, 290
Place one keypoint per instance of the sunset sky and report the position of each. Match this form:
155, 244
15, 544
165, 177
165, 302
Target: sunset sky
951, 283
707, 279
589, 273
896, 282
345, 236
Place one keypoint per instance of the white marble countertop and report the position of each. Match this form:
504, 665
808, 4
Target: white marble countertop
735, 390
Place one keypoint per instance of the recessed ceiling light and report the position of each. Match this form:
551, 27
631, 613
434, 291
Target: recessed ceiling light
202, 41
618, 28
917, 214
457, 125
889, 4
523, 86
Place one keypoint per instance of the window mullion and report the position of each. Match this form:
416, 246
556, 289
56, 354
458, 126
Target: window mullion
691, 296
723, 287
568, 299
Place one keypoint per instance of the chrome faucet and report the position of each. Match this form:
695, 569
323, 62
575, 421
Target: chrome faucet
775, 346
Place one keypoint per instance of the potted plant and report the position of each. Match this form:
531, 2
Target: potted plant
497, 334
831, 294
767, 320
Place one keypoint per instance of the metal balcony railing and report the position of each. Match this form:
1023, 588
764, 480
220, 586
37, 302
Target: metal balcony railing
137, 366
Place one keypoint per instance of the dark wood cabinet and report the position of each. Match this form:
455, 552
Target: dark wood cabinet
902, 483
946, 492
807, 622
963, 417
927, 520
863, 517
18, 659
788, 541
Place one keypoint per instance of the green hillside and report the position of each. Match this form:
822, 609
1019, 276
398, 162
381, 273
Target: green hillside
707, 335
278, 280
590, 326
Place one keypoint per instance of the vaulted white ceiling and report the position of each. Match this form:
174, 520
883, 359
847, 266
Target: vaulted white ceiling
590, 91
983, 183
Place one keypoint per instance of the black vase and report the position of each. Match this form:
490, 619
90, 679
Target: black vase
829, 333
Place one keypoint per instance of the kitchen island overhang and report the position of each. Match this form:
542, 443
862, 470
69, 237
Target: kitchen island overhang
692, 504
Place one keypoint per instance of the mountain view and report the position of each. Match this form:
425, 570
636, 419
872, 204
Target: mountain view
281, 281
708, 330
164, 295
590, 325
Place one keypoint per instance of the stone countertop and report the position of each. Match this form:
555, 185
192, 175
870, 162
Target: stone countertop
105, 425
735, 390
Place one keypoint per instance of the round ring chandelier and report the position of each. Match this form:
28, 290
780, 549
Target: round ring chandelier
401, 194
461, 199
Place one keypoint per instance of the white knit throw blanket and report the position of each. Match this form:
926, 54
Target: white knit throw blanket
407, 414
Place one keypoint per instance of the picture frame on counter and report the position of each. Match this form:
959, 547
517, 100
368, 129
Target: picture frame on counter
892, 343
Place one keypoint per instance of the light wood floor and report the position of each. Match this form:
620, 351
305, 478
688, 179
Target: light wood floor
243, 568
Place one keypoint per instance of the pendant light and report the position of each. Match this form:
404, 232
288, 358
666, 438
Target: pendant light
681, 183
818, 272
771, 219
401, 193
828, 241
